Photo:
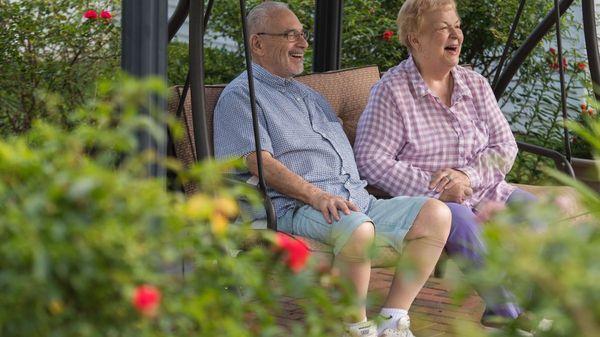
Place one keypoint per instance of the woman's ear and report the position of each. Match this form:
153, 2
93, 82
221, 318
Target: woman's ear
413, 41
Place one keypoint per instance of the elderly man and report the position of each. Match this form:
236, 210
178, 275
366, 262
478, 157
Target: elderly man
310, 167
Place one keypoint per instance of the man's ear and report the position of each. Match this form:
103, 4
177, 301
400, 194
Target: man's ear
256, 45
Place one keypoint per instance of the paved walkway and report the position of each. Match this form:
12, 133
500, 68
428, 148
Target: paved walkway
433, 314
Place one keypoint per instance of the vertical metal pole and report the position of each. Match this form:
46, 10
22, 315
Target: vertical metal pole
144, 53
197, 78
328, 35
591, 42
271, 219
563, 94
511, 35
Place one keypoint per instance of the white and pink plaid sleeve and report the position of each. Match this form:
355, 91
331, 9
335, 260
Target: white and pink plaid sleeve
492, 163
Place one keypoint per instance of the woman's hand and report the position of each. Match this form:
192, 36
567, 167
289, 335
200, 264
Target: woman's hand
458, 193
447, 178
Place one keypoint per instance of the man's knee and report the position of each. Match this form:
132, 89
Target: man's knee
359, 242
432, 221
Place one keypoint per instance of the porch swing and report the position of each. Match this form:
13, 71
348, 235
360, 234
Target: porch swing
346, 90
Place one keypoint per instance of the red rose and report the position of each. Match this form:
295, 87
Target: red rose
581, 66
105, 15
387, 35
91, 14
146, 300
296, 252
552, 51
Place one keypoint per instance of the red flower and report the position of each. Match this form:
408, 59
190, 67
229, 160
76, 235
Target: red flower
90, 14
552, 51
387, 35
296, 252
581, 66
554, 65
105, 15
146, 300
564, 62
591, 112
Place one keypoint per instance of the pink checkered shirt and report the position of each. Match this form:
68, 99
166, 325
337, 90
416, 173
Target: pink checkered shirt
406, 134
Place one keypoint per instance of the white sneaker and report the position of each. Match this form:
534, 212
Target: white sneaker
402, 329
366, 329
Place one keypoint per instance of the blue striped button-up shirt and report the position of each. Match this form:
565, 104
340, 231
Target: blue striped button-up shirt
298, 127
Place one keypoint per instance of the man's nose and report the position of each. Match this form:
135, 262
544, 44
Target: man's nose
302, 42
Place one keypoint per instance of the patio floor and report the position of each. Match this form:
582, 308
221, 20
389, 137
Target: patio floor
433, 313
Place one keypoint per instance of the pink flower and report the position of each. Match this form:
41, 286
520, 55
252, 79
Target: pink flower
105, 15
387, 35
146, 300
552, 51
90, 14
295, 251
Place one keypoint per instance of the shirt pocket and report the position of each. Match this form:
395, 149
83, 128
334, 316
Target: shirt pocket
475, 128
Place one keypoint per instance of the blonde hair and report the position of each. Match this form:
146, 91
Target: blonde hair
411, 13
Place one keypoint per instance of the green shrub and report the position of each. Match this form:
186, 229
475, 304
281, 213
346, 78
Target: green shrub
49, 47
83, 227
220, 64
550, 263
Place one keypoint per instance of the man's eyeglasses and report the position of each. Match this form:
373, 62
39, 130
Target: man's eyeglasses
291, 35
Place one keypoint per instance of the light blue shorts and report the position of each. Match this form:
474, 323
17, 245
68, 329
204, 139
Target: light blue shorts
392, 219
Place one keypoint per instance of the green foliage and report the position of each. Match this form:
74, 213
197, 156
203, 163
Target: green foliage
486, 27
48, 47
551, 263
83, 225
539, 119
221, 65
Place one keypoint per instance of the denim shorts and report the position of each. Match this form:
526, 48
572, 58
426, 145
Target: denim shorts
392, 219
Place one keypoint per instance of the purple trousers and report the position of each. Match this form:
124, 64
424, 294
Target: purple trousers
465, 243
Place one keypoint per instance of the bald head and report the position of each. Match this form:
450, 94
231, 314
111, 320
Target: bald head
259, 17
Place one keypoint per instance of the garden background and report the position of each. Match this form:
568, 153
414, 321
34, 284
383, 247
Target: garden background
89, 242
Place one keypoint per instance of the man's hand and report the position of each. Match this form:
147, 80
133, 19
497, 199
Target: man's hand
447, 178
458, 193
329, 204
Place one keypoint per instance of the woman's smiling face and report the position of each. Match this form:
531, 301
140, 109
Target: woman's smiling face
438, 41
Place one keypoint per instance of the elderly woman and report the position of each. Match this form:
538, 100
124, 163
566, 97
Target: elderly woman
434, 128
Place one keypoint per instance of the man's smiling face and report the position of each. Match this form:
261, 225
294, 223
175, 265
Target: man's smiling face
282, 57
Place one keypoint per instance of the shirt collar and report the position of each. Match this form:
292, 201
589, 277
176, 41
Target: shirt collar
460, 87
279, 83
421, 89
414, 76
